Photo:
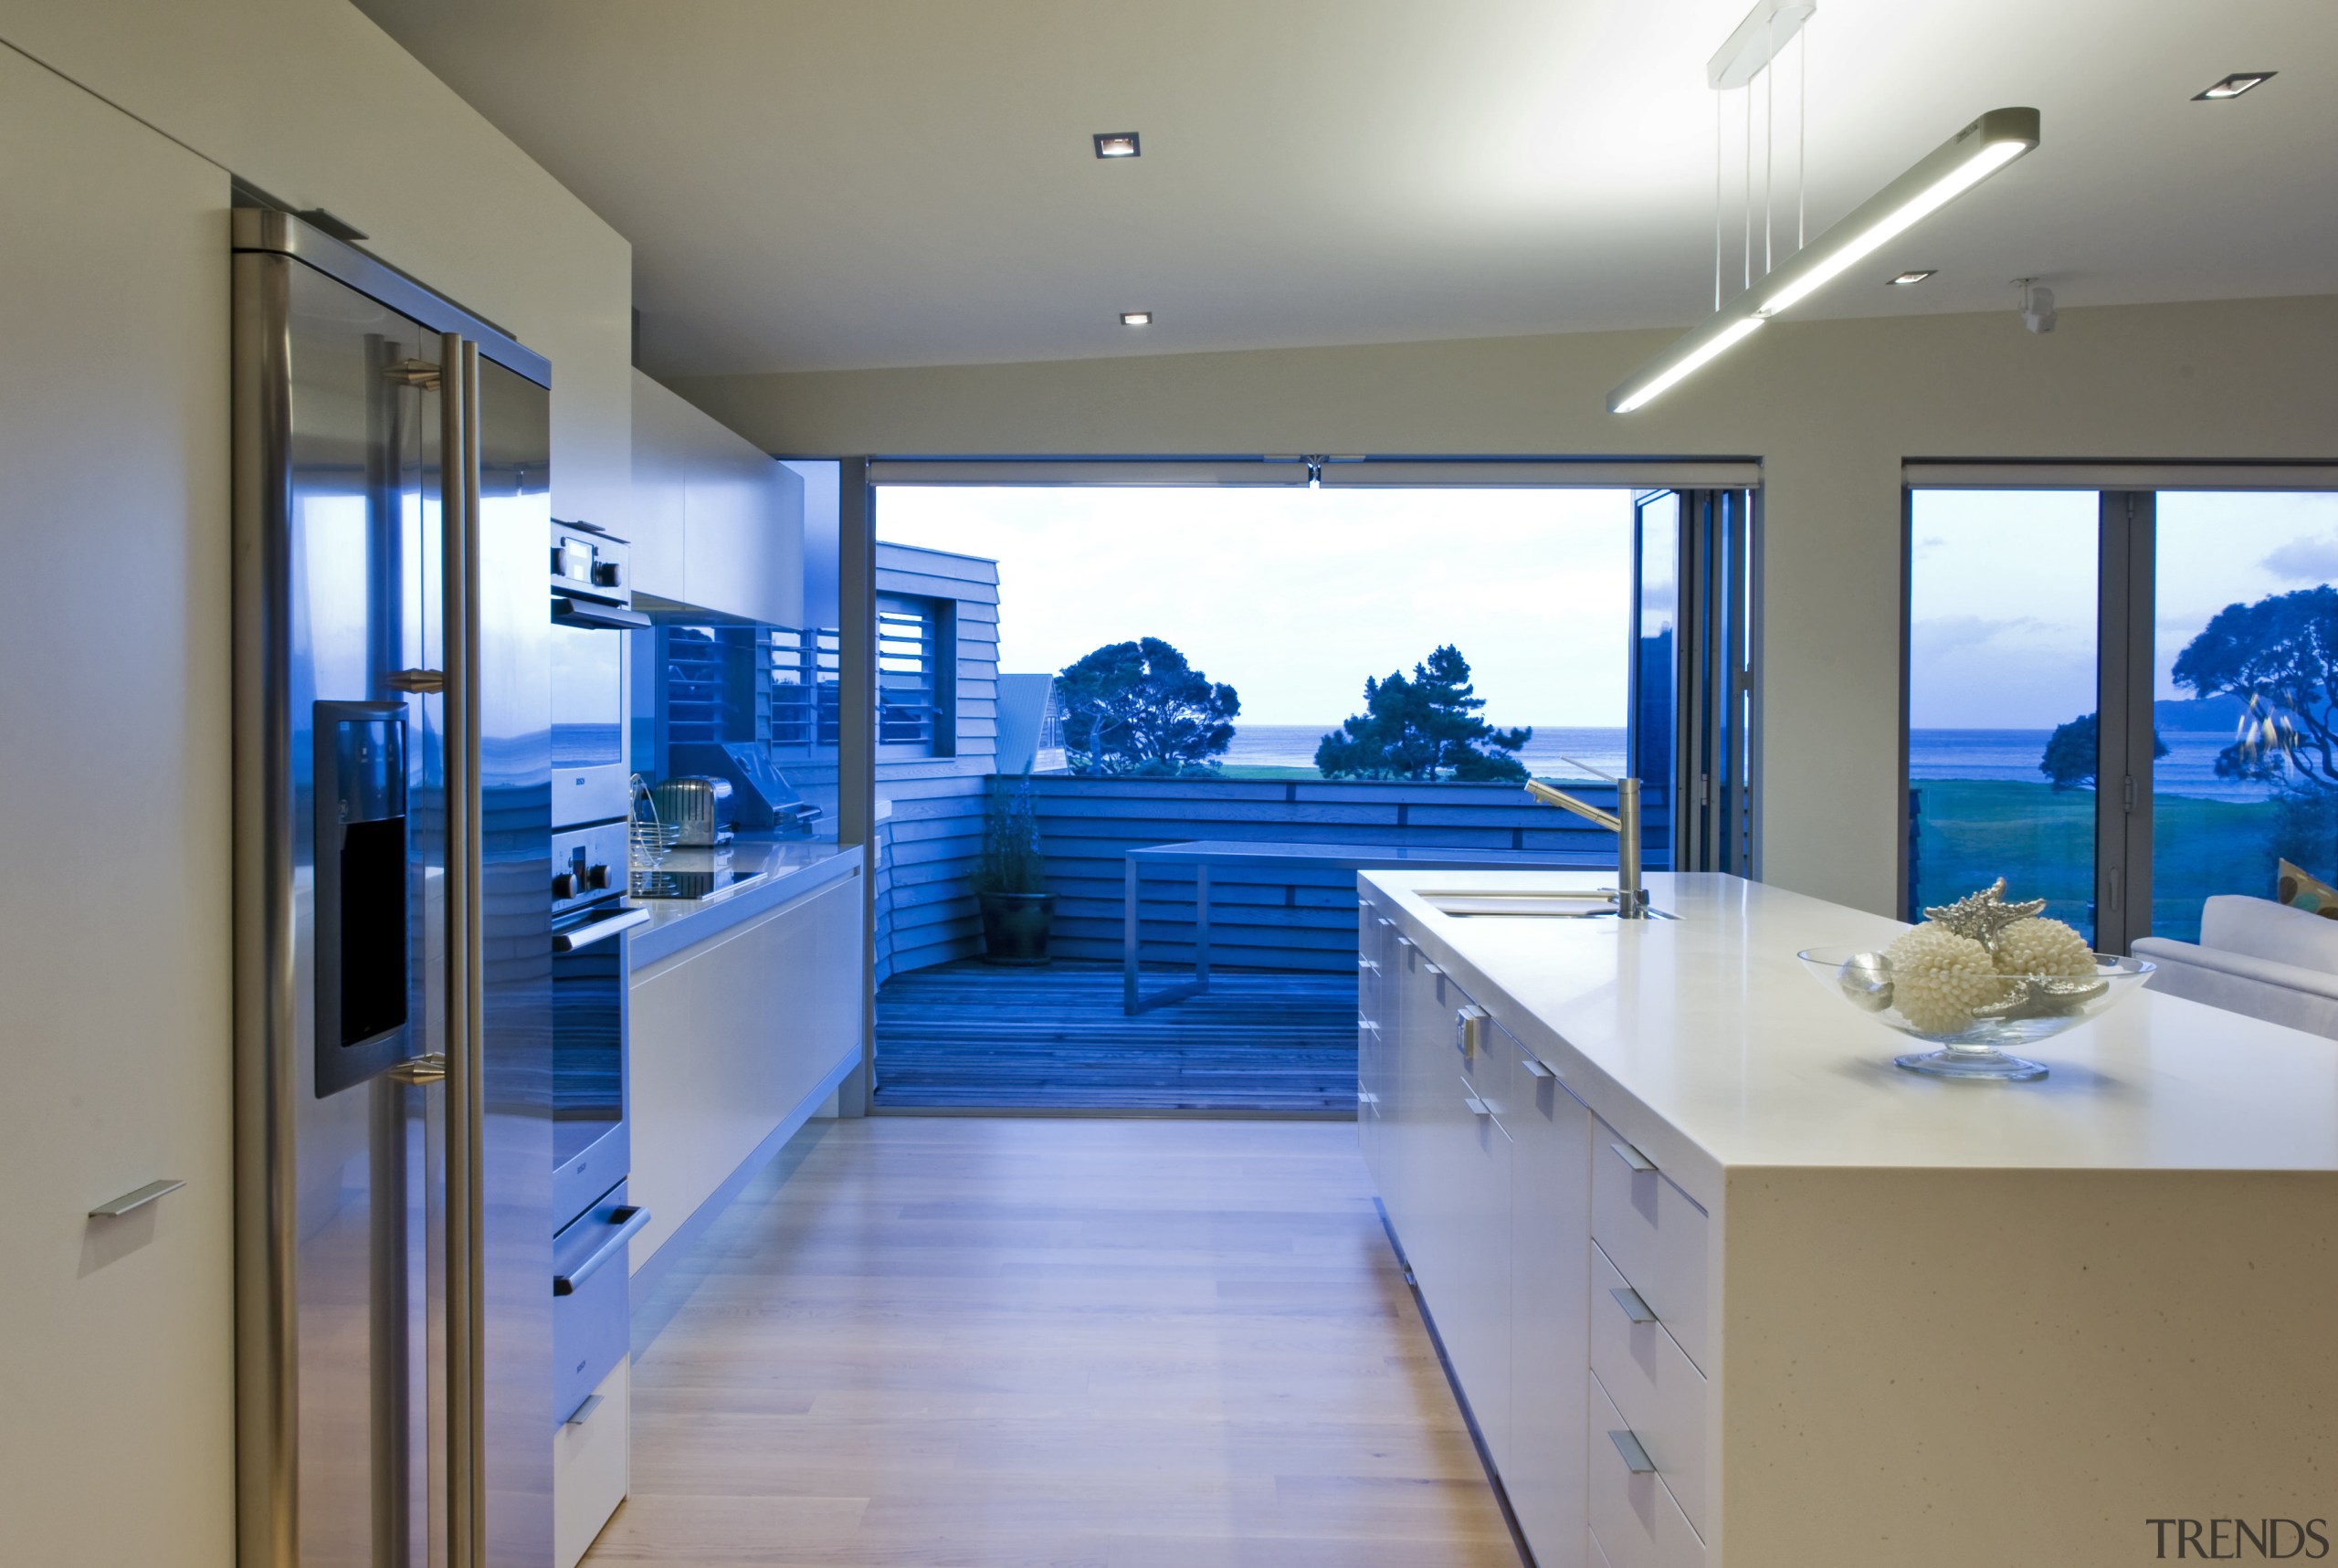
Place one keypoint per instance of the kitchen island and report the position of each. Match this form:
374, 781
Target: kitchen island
1721, 1284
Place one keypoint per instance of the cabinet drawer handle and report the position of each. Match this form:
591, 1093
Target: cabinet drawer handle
1632, 1157
1382, 921
1367, 965
1636, 1458
1634, 1306
1403, 942
584, 1412
1535, 1068
1477, 1107
130, 1202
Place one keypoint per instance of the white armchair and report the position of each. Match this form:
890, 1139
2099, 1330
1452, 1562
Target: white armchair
2257, 957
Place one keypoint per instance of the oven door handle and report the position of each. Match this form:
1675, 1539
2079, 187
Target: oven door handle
585, 613
628, 1220
597, 931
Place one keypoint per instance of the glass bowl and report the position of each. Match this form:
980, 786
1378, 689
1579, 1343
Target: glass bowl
1999, 1011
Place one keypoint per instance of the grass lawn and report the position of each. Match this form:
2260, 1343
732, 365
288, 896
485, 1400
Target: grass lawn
1972, 831
1237, 771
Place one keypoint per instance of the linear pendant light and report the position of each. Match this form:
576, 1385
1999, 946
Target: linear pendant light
1962, 162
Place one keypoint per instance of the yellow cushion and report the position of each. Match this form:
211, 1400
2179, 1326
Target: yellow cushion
2302, 890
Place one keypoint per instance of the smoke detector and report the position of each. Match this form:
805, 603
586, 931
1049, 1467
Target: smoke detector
2037, 305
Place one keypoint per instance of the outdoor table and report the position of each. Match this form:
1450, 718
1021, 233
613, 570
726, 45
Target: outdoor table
1272, 855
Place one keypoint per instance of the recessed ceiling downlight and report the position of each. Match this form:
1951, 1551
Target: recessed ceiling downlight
2232, 86
1905, 278
1137, 318
1118, 144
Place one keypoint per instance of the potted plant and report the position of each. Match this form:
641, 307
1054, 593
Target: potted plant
1011, 883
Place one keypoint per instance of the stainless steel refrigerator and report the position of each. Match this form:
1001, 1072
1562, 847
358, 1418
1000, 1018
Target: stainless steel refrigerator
394, 1110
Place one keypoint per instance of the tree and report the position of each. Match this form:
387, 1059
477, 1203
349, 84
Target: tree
2280, 657
1425, 728
2070, 752
1138, 706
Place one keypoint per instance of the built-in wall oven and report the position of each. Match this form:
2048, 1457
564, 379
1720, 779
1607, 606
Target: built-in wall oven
592, 592
592, 1152
592, 610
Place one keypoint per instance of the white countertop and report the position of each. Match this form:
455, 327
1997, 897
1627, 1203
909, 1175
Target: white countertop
770, 869
1704, 1040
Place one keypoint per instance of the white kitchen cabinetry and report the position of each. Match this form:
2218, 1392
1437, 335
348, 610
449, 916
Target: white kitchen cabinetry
591, 1460
730, 1037
1550, 1252
1720, 1286
715, 523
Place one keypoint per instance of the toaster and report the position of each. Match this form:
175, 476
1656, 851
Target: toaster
698, 805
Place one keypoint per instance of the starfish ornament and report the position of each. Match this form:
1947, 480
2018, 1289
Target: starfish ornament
1983, 915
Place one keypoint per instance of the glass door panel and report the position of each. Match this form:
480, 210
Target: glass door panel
2244, 655
1654, 674
2001, 697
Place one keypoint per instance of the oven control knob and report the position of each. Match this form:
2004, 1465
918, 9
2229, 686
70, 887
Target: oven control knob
608, 574
564, 885
596, 877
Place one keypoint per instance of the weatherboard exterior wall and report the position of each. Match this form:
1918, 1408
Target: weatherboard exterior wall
929, 809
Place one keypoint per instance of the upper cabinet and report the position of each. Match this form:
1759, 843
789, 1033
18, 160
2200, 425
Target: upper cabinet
716, 523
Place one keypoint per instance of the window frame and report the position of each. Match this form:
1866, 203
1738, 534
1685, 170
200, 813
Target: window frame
2126, 587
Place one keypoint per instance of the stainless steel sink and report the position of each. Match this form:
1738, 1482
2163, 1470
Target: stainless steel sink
1525, 904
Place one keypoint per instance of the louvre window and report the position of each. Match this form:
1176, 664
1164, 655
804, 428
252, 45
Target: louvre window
806, 665
912, 677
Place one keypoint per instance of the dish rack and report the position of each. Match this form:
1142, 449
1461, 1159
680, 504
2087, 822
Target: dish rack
649, 839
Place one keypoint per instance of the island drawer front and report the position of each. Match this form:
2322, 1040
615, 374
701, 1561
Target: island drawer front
1661, 1395
1633, 1517
1656, 1236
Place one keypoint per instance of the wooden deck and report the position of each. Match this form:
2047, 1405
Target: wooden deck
968, 1036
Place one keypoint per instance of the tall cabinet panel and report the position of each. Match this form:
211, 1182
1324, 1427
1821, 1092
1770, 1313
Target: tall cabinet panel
114, 1432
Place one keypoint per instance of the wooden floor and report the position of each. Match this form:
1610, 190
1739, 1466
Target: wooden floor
1054, 1343
972, 1036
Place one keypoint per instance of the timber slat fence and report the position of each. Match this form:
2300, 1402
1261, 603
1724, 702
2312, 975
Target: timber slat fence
1301, 918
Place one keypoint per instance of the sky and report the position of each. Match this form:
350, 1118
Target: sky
1292, 597
2002, 619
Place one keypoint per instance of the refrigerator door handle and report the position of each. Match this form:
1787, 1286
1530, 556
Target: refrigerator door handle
458, 515
629, 1221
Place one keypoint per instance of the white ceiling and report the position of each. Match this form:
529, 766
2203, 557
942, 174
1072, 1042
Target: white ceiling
830, 183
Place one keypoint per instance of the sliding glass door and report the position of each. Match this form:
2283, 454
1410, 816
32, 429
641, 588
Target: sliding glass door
2244, 654
2120, 701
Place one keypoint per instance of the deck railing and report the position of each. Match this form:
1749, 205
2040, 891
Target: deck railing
1300, 919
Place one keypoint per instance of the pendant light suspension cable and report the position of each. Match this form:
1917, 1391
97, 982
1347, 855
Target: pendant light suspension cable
1749, 190
1769, 136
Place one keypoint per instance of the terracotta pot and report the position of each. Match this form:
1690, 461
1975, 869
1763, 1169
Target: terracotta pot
1016, 926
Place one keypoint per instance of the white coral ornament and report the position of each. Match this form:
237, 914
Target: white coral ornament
1941, 981
2044, 947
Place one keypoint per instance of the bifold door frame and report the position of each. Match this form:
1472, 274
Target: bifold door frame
1716, 816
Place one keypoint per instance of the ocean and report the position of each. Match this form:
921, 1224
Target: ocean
2189, 769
